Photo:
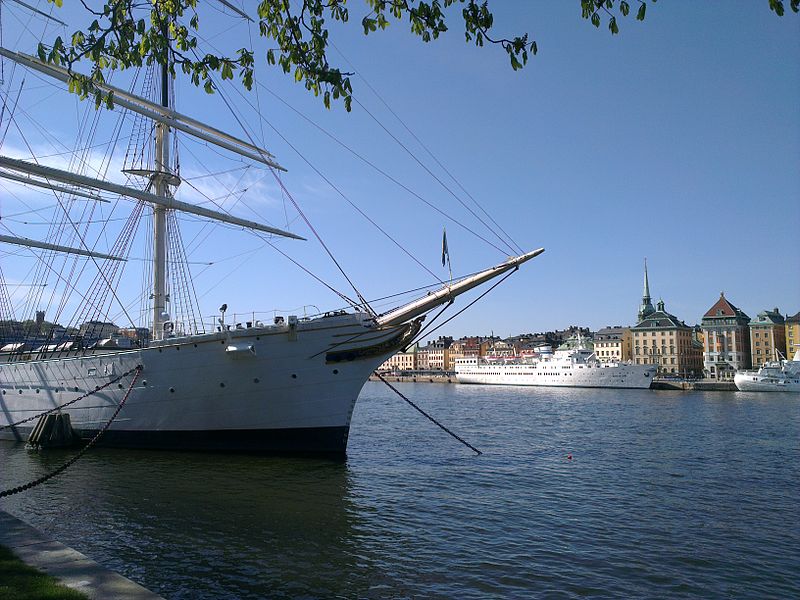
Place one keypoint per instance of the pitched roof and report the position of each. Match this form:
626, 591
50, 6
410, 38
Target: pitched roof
661, 319
773, 317
723, 308
795, 318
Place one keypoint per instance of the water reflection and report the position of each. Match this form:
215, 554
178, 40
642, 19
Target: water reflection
256, 526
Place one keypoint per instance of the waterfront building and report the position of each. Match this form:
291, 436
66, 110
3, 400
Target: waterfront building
140, 335
422, 359
664, 340
456, 352
402, 361
726, 340
439, 353
98, 329
577, 342
613, 344
792, 335
767, 337
467, 346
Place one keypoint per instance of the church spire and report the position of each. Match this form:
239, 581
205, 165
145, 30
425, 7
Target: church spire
646, 307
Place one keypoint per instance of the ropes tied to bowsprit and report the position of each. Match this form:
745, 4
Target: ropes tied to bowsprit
136, 372
427, 416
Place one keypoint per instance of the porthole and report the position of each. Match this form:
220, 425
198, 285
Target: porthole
177, 347
77, 390
221, 384
294, 375
119, 385
336, 371
20, 391
195, 345
256, 380
171, 390
37, 391
144, 382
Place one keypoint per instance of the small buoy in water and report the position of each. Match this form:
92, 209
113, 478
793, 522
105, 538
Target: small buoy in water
569, 456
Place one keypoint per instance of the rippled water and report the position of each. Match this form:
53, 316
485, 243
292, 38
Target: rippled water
667, 494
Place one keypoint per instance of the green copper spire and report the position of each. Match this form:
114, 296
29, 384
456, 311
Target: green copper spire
646, 307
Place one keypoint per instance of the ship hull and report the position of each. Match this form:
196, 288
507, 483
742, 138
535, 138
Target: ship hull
273, 389
748, 382
619, 376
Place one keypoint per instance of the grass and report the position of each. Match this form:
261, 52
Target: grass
21, 582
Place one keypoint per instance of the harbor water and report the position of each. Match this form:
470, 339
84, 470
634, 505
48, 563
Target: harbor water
578, 493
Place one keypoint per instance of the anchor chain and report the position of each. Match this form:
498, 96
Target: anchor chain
426, 415
86, 395
137, 371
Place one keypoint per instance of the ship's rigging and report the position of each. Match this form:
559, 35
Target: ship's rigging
153, 173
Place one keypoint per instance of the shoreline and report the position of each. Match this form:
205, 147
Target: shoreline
675, 385
71, 568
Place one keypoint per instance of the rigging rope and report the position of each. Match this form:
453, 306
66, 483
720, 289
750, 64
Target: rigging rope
516, 246
275, 174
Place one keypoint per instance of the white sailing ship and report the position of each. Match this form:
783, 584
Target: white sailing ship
288, 385
568, 367
774, 376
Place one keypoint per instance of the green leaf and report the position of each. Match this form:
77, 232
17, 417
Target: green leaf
596, 20
640, 13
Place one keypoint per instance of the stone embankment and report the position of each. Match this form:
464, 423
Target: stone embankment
416, 378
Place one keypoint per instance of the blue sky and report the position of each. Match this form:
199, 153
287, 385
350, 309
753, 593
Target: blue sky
677, 140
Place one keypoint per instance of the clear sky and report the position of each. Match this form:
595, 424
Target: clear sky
677, 141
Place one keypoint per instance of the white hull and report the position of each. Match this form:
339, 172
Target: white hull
605, 375
754, 382
295, 391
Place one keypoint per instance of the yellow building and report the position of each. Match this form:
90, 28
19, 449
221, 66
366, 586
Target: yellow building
613, 344
664, 340
792, 335
402, 361
767, 337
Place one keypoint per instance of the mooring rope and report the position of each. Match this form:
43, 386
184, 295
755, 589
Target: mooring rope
92, 442
426, 415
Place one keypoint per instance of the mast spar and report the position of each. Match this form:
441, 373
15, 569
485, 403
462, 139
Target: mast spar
160, 184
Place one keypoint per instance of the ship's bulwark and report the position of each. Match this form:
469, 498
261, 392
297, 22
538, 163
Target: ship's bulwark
204, 393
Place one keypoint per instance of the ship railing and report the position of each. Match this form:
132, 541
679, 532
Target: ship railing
246, 320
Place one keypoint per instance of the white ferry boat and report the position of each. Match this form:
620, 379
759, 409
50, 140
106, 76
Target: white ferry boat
574, 367
774, 376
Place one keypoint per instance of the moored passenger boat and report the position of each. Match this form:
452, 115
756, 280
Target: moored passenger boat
574, 367
774, 376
